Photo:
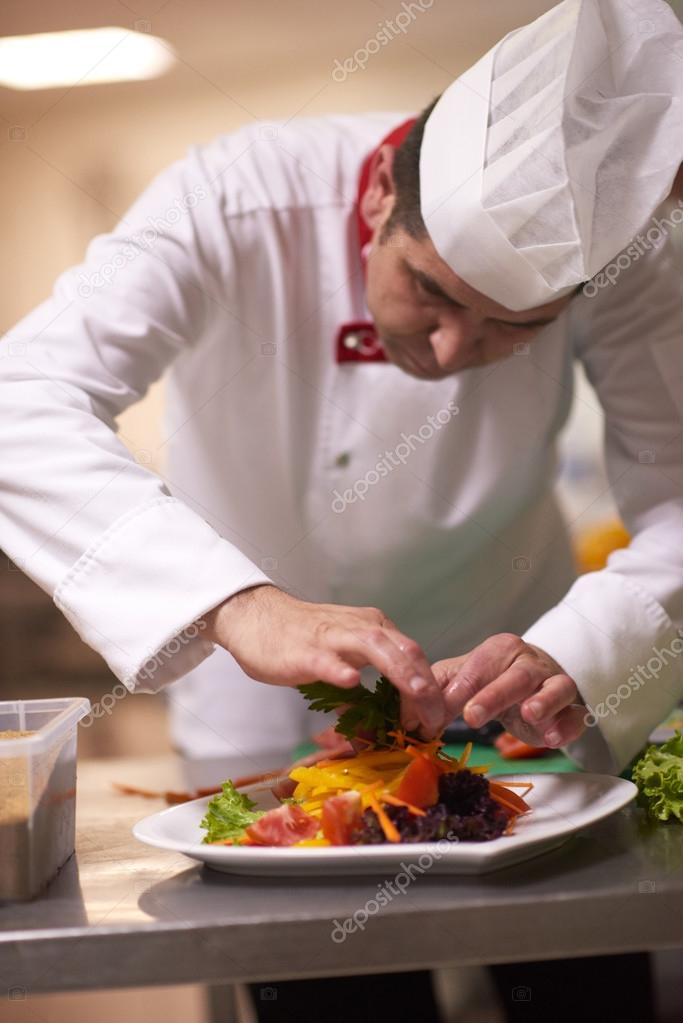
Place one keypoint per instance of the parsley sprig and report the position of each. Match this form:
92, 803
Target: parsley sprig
375, 711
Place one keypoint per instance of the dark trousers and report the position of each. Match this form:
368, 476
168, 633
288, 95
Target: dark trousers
592, 990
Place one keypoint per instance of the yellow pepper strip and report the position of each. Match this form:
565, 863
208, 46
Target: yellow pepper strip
308, 843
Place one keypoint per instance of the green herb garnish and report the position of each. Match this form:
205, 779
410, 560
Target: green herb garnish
659, 777
371, 711
228, 815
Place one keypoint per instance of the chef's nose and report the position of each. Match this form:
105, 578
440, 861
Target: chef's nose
452, 334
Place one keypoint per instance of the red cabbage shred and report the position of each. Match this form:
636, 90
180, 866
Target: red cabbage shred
465, 812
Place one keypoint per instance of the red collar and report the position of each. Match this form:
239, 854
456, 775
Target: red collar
358, 342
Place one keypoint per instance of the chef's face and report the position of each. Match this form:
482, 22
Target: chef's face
432, 323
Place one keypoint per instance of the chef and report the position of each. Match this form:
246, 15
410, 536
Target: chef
369, 325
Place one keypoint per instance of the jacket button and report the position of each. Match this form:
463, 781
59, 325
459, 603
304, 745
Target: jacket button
342, 460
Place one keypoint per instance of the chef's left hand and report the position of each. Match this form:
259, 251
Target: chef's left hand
519, 684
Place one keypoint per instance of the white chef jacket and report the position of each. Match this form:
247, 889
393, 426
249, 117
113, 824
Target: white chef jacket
234, 270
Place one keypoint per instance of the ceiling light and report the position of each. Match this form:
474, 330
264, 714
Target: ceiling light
83, 57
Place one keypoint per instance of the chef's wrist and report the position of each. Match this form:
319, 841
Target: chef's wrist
222, 619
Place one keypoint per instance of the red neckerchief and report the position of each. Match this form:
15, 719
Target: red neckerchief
358, 342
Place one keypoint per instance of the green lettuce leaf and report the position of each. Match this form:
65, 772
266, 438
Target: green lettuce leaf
659, 777
228, 815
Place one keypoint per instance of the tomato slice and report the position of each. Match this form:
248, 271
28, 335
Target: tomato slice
340, 815
283, 826
512, 748
420, 783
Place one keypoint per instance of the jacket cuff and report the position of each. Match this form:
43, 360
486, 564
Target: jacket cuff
137, 595
624, 654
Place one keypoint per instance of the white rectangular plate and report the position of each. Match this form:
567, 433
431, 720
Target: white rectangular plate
562, 804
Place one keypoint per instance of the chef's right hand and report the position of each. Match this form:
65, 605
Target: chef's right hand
279, 639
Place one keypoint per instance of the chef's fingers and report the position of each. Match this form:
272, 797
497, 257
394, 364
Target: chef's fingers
565, 727
329, 667
421, 699
404, 667
412, 649
409, 716
556, 693
485, 664
517, 682
446, 671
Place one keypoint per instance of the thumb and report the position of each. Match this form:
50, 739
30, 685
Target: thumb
445, 671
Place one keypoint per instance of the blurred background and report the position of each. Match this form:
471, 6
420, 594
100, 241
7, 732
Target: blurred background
73, 156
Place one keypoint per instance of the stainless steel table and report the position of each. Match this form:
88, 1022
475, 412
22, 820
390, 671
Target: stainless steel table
122, 914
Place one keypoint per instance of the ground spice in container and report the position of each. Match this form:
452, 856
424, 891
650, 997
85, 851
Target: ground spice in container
36, 809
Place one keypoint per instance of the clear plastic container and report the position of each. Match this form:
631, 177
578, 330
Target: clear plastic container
37, 791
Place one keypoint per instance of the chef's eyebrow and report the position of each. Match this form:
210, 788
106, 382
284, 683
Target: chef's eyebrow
434, 288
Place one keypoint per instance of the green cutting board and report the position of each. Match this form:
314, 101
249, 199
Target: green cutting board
490, 756
499, 765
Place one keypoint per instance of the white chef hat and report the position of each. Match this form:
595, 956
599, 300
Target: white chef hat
542, 162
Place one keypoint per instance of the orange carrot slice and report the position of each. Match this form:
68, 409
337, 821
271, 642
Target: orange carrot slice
509, 799
395, 801
388, 827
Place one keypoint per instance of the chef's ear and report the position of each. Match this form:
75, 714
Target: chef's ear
380, 194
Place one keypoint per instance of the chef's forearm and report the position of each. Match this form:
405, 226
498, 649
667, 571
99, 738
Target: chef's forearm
130, 566
604, 632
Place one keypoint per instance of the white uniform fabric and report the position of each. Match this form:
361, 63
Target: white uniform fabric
350, 483
540, 163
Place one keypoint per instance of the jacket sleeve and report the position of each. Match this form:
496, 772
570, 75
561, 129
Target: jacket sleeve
132, 568
618, 632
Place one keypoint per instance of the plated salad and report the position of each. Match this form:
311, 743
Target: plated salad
382, 785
